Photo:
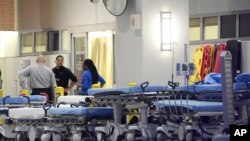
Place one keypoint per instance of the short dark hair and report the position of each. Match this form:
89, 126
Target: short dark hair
59, 56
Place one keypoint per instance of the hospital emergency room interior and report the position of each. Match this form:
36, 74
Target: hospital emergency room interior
173, 69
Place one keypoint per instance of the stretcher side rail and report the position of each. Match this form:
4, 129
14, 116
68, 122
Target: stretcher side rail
16, 101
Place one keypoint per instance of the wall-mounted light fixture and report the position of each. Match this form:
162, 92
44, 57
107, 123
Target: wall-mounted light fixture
166, 31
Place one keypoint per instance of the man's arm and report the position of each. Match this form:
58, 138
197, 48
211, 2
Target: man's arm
52, 80
73, 79
22, 76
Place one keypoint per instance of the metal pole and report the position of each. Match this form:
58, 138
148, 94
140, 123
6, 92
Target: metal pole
227, 91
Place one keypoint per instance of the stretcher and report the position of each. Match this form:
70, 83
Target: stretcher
30, 120
127, 98
192, 105
184, 118
88, 112
128, 90
194, 111
16, 107
212, 87
20, 100
15, 102
74, 113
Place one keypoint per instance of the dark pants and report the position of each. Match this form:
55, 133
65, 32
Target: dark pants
37, 91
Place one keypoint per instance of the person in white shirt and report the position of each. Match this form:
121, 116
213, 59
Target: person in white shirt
42, 79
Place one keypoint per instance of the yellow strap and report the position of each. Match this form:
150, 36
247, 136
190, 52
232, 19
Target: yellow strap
60, 91
96, 86
24, 92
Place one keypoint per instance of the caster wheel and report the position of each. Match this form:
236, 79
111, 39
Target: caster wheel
46, 137
181, 132
56, 137
32, 133
21, 137
130, 136
76, 137
189, 136
100, 136
161, 136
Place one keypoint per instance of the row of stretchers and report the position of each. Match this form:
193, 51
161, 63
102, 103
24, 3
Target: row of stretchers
184, 113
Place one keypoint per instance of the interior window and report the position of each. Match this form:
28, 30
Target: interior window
194, 29
210, 28
40, 41
65, 40
228, 26
244, 25
27, 43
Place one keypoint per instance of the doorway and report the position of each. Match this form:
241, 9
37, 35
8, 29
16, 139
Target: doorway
100, 50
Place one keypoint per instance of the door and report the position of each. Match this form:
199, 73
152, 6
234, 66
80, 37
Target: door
79, 50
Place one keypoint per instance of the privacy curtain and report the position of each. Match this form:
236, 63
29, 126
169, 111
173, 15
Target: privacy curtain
101, 52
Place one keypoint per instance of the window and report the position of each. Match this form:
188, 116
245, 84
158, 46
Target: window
27, 43
65, 40
40, 41
244, 25
228, 26
80, 44
194, 29
210, 28
53, 40
219, 27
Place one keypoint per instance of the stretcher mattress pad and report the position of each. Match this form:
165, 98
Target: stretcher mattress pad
14, 100
37, 98
211, 87
196, 106
26, 113
136, 89
96, 112
74, 99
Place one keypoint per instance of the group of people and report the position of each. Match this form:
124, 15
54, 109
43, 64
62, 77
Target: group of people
44, 80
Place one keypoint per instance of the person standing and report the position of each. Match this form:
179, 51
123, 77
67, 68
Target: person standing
42, 79
63, 75
90, 76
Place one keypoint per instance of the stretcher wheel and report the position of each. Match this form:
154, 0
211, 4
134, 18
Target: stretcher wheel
189, 136
161, 136
21, 137
181, 132
46, 137
32, 133
100, 136
77, 137
130, 136
56, 137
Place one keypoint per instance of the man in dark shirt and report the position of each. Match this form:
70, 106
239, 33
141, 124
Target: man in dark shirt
63, 75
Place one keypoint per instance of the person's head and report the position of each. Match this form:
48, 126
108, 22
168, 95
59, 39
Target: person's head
59, 61
89, 64
40, 59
